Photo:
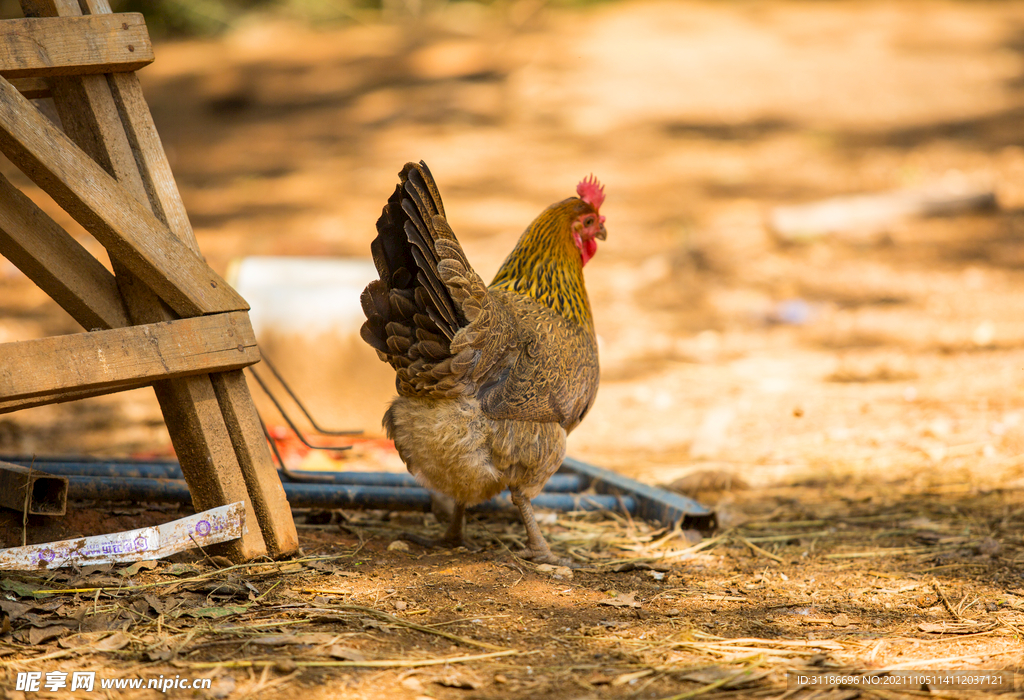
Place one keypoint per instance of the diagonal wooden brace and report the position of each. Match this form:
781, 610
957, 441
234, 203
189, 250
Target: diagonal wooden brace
57, 263
123, 224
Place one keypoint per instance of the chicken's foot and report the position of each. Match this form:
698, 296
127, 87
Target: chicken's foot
452, 537
537, 548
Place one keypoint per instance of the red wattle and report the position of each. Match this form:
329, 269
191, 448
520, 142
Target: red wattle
587, 249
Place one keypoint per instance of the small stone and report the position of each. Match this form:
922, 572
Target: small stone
398, 546
841, 620
222, 687
413, 684
285, 665
563, 573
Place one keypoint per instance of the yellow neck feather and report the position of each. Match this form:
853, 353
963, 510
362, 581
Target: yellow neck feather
546, 265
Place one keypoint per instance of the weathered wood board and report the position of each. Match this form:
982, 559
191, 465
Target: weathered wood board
92, 44
132, 356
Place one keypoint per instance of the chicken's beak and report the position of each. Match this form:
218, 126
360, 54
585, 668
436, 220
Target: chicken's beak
602, 233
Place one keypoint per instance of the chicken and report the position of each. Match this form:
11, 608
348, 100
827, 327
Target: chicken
490, 379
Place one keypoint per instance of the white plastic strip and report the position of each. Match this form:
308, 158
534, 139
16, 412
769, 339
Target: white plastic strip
209, 527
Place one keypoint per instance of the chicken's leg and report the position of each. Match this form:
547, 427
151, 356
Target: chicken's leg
537, 548
452, 537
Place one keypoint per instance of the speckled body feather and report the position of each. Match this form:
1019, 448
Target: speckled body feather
490, 379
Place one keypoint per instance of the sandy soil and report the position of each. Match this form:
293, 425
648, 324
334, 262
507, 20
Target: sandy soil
850, 403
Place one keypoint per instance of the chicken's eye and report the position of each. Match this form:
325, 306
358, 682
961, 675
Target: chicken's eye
589, 221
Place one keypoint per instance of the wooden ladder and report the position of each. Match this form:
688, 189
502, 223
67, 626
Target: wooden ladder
163, 318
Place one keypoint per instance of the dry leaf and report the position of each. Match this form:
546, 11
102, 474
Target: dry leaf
217, 611
72, 641
159, 605
181, 570
325, 567
371, 624
21, 588
344, 653
630, 677
118, 640
14, 608
457, 680
621, 600
38, 635
715, 674
276, 640
137, 567
101, 623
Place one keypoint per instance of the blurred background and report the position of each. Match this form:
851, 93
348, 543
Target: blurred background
815, 260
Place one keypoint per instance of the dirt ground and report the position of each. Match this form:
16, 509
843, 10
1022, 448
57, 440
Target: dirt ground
850, 404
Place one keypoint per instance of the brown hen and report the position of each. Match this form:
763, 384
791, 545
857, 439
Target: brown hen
490, 379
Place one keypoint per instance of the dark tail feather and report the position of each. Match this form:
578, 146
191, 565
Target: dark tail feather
410, 300
423, 183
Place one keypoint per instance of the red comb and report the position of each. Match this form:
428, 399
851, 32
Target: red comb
591, 191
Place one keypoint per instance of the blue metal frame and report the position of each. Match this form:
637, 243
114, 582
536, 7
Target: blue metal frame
161, 480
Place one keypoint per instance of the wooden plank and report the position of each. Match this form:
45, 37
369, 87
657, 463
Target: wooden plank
89, 45
125, 226
262, 480
126, 356
207, 456
32, 88
149, 151
57, 263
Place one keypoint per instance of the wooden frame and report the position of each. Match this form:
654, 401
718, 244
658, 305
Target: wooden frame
163, 317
